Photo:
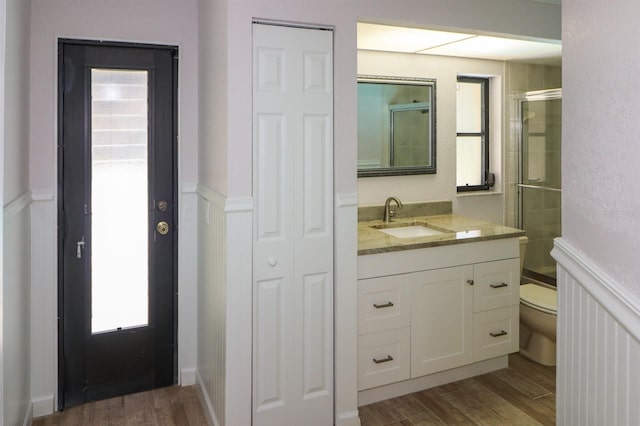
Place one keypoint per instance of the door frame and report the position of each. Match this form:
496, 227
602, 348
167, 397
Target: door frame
59, 259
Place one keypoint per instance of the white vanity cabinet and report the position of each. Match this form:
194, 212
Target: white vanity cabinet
428, 310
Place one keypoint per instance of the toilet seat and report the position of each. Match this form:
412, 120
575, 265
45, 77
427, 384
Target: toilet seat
538, 297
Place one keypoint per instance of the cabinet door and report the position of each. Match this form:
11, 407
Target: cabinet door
383, 304
441, 320
497, 284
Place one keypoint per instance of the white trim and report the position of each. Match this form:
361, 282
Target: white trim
189, 188
28, 416
347, 199
205, 401
188, 376
222, 202
16, 206
238, 205
3, 41
40, 195
348, 418
43, 406
478, 193
210, 194
619, 303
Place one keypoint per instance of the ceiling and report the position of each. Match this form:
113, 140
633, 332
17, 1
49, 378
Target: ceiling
467, 45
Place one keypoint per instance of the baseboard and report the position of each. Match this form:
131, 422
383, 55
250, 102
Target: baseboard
205, 401
187, 377
369, 396
28, 416
348, 418
43, 406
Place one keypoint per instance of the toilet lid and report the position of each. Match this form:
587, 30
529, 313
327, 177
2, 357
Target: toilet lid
540, 297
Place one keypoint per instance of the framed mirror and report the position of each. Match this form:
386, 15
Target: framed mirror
396, 126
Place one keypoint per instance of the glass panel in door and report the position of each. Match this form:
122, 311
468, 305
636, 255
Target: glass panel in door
540, 189
119, 188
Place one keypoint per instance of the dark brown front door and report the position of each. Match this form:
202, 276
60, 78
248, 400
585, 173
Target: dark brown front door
117, 219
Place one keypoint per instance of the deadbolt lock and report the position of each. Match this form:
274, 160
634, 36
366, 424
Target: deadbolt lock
162, 228
162, 206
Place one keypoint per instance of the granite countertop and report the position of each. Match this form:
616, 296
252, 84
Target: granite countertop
456, 230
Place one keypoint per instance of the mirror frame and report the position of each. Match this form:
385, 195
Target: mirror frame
406, 170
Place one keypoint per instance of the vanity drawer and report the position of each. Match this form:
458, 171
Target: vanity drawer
495, 332
383, 358
496, 284
383, 304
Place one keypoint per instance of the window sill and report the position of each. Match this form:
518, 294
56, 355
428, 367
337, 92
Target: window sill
478, 193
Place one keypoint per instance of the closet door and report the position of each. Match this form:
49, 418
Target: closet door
293, 226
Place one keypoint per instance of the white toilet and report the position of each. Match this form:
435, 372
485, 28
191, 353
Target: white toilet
538, 316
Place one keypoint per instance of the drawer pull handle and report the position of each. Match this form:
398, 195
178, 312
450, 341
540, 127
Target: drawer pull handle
499, 285
386, 305
380, 361
470, 282
498, 334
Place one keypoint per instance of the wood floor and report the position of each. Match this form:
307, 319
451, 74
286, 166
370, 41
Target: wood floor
169, 406
523, 394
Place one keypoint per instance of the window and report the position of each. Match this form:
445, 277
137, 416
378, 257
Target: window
472, 140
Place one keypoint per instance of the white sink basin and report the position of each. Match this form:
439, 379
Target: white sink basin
410, 231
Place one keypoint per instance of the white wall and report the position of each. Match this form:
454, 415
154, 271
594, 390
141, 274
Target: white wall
172, 22
230, 78
599, 290
601, 197
14, 306
442, 185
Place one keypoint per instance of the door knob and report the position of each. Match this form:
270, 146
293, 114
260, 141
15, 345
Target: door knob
162, 228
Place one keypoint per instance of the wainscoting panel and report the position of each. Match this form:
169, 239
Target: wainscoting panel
15, 311
211, 292
598, 346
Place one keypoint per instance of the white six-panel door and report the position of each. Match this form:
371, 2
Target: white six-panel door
293, 226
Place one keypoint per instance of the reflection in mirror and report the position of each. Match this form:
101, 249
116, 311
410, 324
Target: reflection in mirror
396, 126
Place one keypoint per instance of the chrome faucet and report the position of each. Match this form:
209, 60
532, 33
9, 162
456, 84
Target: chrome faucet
389, 211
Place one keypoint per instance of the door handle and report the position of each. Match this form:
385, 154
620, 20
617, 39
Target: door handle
386, 359
499, 285
162, 228
79, 247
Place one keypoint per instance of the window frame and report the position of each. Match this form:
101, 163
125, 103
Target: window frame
487, 178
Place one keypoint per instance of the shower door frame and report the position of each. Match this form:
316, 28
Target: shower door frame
536, 95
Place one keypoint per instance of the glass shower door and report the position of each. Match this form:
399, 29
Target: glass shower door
539, 187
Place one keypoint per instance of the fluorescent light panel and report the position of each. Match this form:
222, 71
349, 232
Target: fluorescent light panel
414, 40
503, 49
400, 39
